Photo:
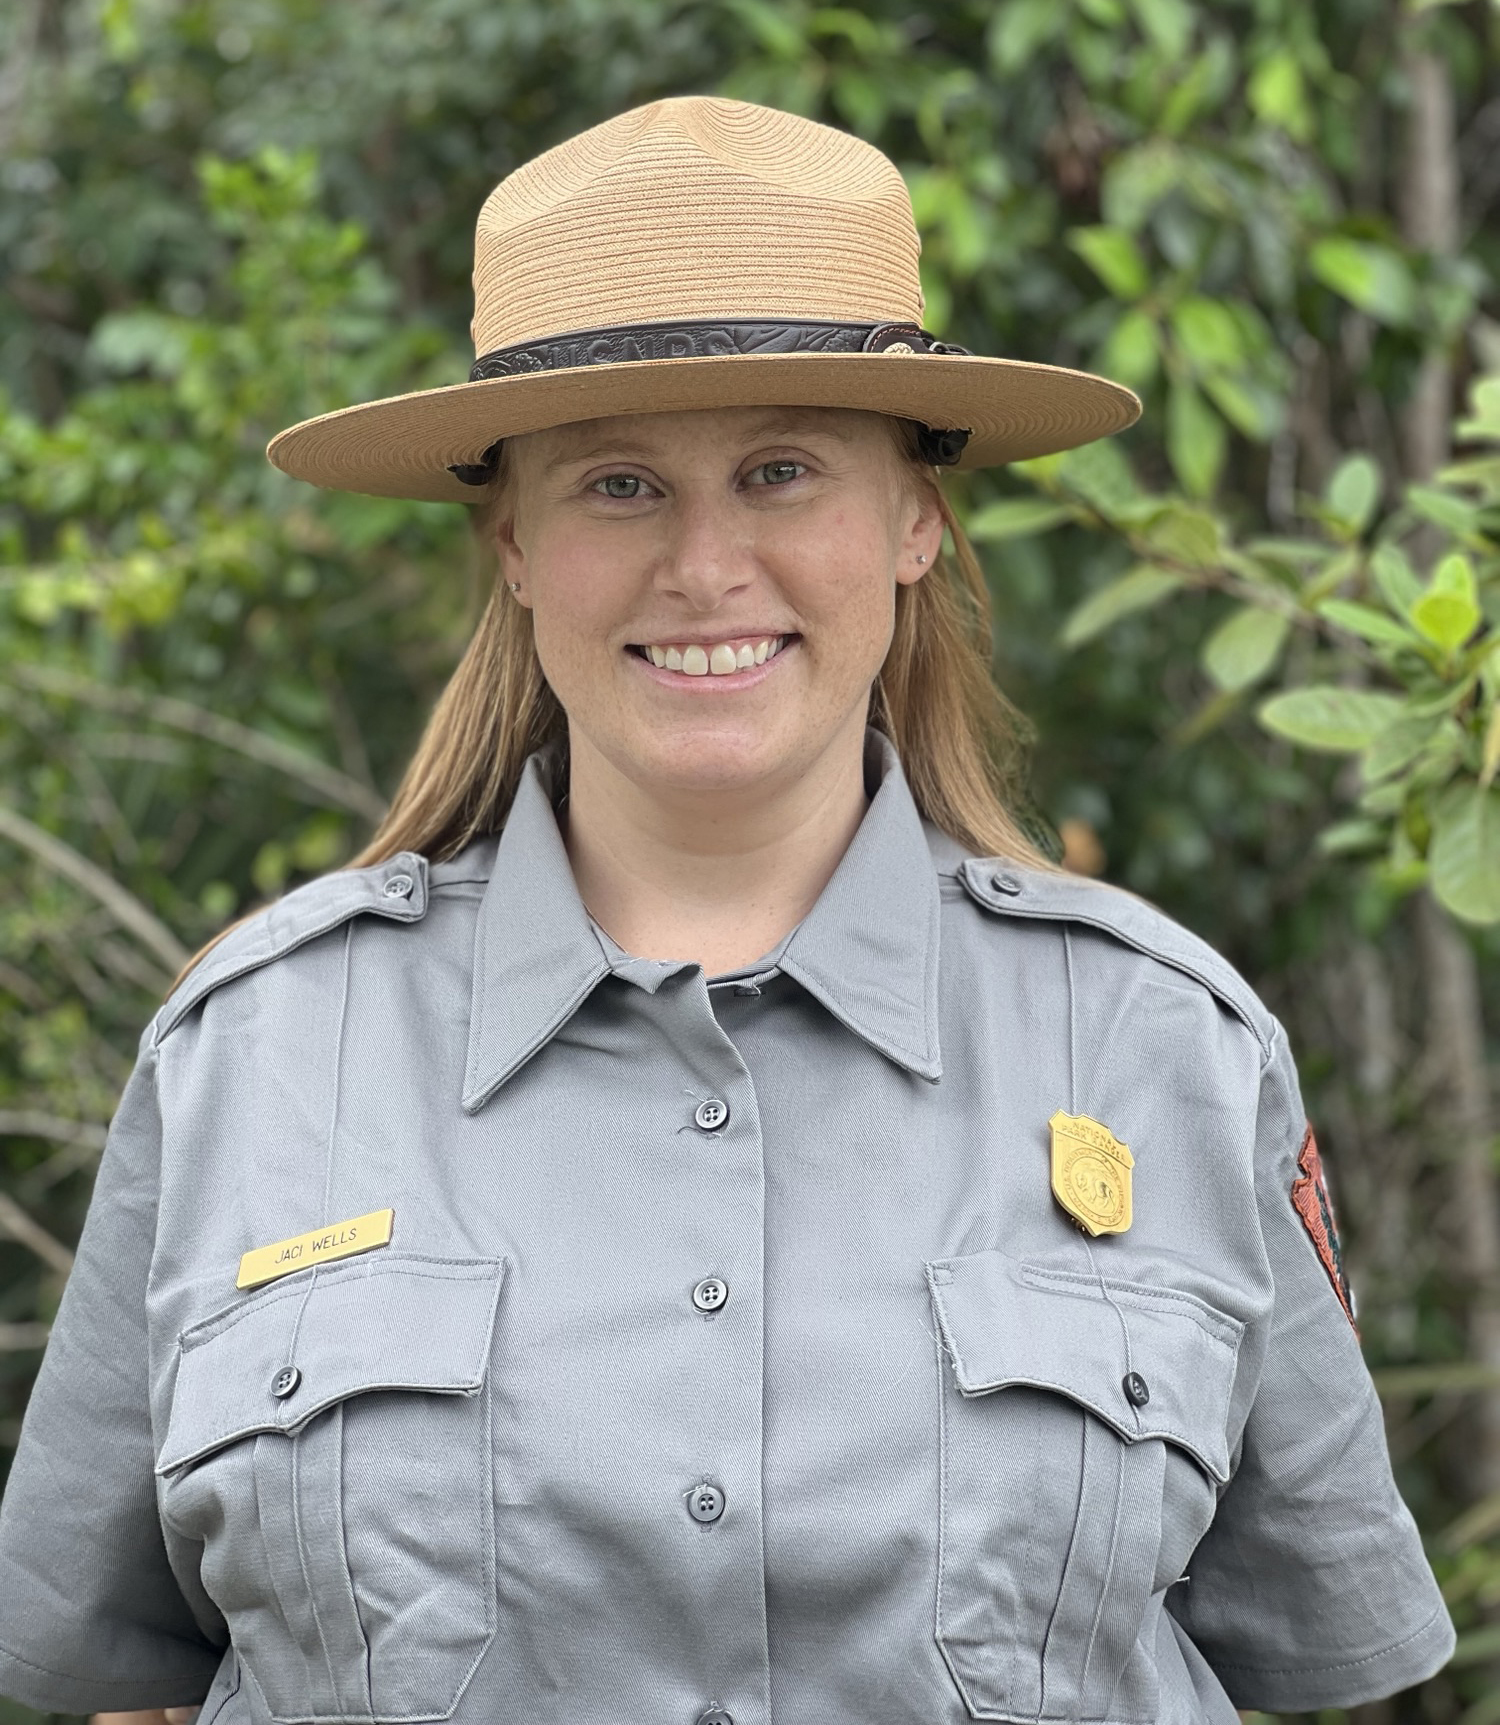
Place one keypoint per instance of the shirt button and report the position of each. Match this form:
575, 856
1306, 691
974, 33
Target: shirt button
710, 1294
398, 886
705, 1502
1006, 883
716, 1716
1137, 1390
710, 1116
285, 1382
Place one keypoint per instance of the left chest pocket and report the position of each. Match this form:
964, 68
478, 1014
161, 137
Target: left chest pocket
347, 1523
1066, 1503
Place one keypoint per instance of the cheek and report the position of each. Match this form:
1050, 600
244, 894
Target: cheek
577, 597
845, 587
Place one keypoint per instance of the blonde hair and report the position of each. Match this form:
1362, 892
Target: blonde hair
960, 741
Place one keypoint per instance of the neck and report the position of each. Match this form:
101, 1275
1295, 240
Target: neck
715, 878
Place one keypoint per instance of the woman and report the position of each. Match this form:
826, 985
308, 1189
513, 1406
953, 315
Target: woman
704, 1223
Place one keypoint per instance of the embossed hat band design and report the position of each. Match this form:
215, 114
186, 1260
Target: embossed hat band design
645, 341
698, 253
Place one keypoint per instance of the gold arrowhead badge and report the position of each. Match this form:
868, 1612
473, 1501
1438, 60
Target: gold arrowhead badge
1091, 1173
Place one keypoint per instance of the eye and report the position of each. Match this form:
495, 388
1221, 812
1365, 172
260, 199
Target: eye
624, 486
779, 472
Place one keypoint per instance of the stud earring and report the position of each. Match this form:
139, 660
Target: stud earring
515, 586
921, 558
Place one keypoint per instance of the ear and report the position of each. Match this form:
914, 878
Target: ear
512, 559
922, 521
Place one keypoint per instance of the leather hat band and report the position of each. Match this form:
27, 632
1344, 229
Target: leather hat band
622, 343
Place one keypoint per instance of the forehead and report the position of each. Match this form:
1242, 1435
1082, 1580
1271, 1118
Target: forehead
655, 433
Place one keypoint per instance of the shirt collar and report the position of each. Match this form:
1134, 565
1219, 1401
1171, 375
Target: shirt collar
867, 951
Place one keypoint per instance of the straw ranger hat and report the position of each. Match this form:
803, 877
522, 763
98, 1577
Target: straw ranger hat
692, 253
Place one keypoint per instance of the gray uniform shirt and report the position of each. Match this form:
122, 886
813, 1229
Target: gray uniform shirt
731, 1358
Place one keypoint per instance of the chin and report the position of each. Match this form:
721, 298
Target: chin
715, 760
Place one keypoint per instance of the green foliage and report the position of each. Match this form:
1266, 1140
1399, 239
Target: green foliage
1399, 670
1263, 664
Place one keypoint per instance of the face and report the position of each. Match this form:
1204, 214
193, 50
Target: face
713, 592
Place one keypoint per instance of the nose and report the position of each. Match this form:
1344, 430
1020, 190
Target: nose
706, 557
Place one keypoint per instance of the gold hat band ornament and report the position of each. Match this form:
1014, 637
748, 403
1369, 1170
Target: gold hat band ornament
1091, 1173
694, 253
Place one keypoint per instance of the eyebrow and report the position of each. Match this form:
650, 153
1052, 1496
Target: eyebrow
776, 423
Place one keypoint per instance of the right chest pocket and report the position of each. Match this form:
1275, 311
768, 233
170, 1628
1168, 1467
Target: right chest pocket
1065, 1509
347, 1524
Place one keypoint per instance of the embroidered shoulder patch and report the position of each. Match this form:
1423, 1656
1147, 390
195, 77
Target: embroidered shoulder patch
1312, 1203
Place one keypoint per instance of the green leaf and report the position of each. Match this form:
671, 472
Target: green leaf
1196, 440
1244, 647
1278, 95
1350, 836
1254, 410
1465, 855
1208, 334
1186, 535
1137, 590
1353, 492
1366, 622
1484, 411
1100, 473
1136, 181
1168, 24
1448, 612
1395, 577
1019, 29
1114, 257
1398, 745
1443, 509
1342, 721
1372, 277
1130, 352
1012, 517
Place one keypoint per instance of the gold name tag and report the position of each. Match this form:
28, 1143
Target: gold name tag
321, 1246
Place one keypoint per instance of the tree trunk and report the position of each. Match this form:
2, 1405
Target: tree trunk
1460, 1108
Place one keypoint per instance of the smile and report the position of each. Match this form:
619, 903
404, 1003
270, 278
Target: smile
713, 658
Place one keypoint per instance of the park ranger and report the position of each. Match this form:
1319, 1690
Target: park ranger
706, 1225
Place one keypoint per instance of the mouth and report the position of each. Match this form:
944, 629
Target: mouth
735, 658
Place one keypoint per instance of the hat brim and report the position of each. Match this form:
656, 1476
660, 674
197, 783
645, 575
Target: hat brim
403, 445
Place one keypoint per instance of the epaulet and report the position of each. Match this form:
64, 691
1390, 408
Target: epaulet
1010, 889
395, 889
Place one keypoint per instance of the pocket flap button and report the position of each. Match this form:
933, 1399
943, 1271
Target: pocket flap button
1137, 1390
709, 1116
285, 1382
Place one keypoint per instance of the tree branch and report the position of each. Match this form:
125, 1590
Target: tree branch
122, 904
31, 1234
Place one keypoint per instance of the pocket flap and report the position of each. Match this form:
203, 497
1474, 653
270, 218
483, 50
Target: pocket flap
387, 1323
1006, 1323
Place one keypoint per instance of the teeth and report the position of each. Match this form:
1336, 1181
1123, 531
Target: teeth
719, 660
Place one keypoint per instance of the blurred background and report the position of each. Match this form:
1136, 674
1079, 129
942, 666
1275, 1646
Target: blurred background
1258, 635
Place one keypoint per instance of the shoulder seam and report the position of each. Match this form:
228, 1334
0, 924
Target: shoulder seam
406, 905
1011, 902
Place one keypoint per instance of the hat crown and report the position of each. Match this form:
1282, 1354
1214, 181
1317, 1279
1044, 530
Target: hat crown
690, 208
